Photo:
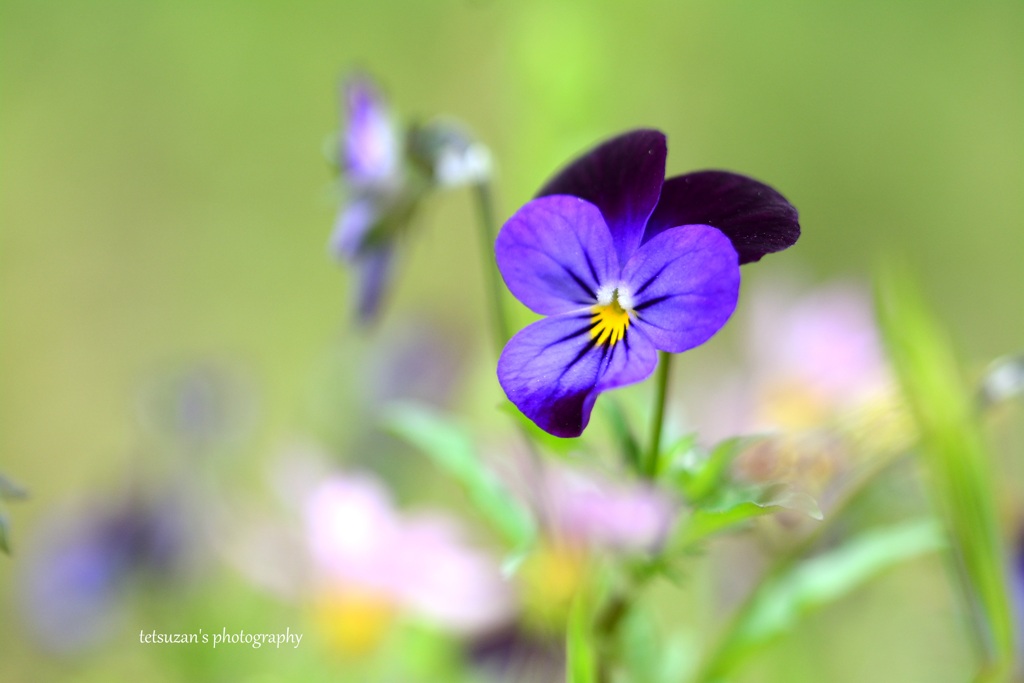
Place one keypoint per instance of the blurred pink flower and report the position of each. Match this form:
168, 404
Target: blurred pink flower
811, 358
418, 563
816, 385
825, 342
588, 510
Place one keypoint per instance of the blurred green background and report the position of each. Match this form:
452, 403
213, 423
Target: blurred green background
164, 196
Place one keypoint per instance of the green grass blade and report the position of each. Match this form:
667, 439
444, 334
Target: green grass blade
956, 459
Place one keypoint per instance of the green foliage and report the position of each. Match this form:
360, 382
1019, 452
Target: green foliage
648, 656
629, 446
698, 476
719, 503
782, 600
581, 657
451, 448
955, 456
707, 522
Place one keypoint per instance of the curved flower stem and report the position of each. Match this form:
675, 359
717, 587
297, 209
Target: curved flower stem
654, 454
485, 206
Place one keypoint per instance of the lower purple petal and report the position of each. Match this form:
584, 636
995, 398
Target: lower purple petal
553, 370
374, 269
352, 226
755, 217
684, 283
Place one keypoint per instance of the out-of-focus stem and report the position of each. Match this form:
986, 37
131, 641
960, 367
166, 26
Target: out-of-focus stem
485, 211
661, 393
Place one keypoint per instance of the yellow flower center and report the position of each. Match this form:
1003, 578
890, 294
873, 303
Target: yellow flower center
354, 622
611, 316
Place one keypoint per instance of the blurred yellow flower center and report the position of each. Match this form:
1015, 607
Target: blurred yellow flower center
354, 622
611, 315
793, 405
551, 577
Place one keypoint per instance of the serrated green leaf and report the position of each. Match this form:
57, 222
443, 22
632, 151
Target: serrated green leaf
581, 658
780, 603
451, 448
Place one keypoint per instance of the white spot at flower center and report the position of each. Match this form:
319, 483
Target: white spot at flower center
612, 314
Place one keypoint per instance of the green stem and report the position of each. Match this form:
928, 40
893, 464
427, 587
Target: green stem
499, 320
661, 394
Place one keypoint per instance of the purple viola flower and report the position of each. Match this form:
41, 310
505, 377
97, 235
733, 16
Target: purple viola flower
625, 264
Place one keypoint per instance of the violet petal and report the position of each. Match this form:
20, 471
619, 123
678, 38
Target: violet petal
553, 370
554, 253
623, 178
684, 283
753, 215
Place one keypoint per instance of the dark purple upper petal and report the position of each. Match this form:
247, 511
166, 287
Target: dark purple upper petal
553, 370
757, 219
554, 253
623, 178
684, 283
370, 144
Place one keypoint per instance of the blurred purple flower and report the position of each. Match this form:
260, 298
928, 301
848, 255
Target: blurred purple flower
388, 171
365, 552
364, 231
198, 407
77, 570
515, 654
625, 264
371, 146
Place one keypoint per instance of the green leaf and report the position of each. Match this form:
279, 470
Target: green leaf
781, 602
451, 448
707, 522
581, 664
700, 477
955, 454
